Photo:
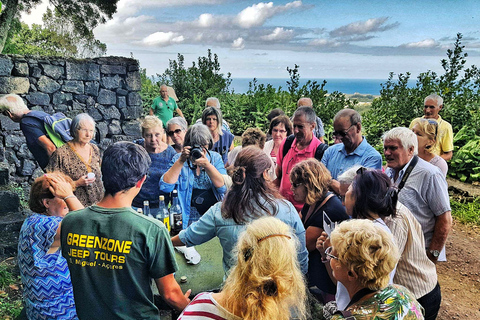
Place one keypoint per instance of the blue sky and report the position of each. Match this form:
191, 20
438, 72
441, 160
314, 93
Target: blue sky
327, 39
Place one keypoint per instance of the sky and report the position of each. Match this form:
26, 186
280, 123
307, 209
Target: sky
327, 39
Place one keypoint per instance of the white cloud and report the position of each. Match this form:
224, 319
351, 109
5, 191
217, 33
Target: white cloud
162, 39
279, 34
257, 14
323, 43
36, 14
363, 27
427, 43
205, 20
238, 44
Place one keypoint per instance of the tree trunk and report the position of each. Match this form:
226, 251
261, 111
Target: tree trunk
9, 10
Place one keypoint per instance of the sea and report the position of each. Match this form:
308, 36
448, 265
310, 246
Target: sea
346, 86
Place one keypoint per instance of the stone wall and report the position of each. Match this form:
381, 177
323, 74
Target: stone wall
107, 88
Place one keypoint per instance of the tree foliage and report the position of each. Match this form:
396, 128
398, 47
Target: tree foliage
83, 15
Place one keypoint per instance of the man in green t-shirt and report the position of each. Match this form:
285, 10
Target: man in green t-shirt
114, 252
163, 106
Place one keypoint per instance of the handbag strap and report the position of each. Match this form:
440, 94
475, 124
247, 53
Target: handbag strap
409, 169
327, 197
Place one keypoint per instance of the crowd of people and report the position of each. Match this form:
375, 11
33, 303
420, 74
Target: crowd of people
296, 218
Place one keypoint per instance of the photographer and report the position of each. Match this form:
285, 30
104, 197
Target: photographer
197, 174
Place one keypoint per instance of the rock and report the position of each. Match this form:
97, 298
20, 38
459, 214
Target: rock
91, 88
62, 98
28, 167
52, 71
16, 85
117, 138
38, 98
7, 125
6, 66
113, 69
121, 92
121, 102
134, 82
132, 128
105, 143
13, 141
35, 72
102, 129
110, 112
61, 108
131, 113
82, 71
111, 82
73, 86
107, 97
114, 128
10, 202
4, 174
133, 67
24, 152
134, 99
47, 85
12, 160
81, 98
95, 114
20, 69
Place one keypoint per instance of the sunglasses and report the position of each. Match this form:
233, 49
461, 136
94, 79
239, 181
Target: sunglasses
171, 133
296, 185
342, 134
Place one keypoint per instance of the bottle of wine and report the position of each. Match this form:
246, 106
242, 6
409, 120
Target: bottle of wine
146, 208
163, 213
175, 214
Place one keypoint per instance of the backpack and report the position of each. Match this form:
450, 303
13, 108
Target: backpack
58, 128
318, 152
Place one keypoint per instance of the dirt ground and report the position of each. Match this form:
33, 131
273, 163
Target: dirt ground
459, 277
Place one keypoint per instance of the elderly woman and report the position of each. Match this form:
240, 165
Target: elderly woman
361, 257
80, 160
266, 282
197, 174
310, 180
222, 139
161, 154
47, 288
176, 129
426, 131
280, 128
252, 196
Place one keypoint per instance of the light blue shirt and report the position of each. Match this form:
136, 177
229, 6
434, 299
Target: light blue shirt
337, 160
186, 181
212, 224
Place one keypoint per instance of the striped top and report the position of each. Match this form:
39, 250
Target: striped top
204, 307
414, 270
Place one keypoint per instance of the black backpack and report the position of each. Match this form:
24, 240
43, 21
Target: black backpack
318, 153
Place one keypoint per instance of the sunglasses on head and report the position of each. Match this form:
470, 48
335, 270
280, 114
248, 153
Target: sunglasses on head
171, 133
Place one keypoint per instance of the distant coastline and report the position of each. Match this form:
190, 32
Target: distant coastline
346, 86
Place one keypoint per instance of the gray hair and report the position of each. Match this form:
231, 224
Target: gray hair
308, 112
77, 121
436, 97
198, 134
348, 176
353, 116
212, 111
179, 121
215, 100
406, 137
13, 103
305, 102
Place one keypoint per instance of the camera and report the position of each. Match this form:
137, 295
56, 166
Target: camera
196, 152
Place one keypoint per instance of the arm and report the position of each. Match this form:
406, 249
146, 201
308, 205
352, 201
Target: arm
60, 188
211, 170
171, 176
311, 235
447, 155
231, 147
335, 186
177, 242
47, 144
201, 231
180, 113
150, 112
323, 242
443, 225
172, 293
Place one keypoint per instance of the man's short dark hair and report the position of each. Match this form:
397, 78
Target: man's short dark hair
123, 165
308, 112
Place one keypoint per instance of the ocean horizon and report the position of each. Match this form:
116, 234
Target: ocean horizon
346, 86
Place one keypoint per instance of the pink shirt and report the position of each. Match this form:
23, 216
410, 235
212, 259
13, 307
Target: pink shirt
286, 164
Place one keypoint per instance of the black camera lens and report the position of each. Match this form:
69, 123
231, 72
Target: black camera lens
196, 153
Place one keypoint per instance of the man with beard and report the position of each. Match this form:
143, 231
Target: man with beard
354, 149
304, 146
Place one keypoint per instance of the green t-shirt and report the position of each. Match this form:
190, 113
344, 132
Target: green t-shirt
112, 255
164, 109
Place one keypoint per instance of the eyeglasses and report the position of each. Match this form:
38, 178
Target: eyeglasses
299, 126
430, 107
86, 130
171, 133
361, 170
296, 185
343, 133
329, 255
279, 131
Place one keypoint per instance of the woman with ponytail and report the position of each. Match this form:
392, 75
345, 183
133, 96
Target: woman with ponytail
266, 282
251, 196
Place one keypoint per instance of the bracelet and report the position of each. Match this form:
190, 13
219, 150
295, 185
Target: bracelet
70, 196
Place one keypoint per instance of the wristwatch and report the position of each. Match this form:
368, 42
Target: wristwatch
434, 253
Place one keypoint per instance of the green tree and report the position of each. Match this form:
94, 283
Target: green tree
85, 15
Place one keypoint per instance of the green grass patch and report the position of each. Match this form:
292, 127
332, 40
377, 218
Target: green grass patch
466, 212
10, 295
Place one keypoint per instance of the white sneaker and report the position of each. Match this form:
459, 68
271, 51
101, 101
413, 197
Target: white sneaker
192, 256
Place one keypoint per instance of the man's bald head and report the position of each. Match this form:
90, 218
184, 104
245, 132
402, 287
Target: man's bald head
304, 102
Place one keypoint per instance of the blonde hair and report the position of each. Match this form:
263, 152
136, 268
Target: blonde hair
267, 282
314, 176
366, 249
150, 122
13, 103
429, 128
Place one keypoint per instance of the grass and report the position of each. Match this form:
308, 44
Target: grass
10, 294
466, 212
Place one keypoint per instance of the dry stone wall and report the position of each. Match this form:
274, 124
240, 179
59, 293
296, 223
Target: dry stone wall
107, 88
